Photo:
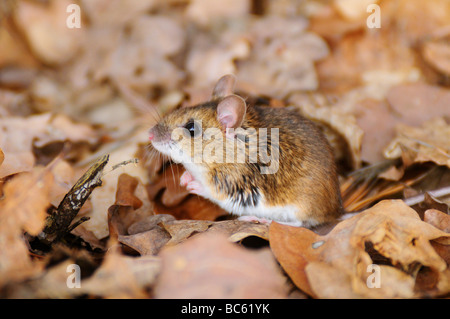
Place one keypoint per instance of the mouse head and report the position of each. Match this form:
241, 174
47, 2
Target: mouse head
186, 134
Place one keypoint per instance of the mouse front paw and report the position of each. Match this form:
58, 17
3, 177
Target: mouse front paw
194, 187
186, 178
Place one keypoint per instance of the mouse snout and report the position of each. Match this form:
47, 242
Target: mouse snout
157, 134
151, 133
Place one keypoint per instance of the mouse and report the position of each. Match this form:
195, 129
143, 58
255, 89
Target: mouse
258, 162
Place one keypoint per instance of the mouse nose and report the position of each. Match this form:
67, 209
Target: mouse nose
151, 133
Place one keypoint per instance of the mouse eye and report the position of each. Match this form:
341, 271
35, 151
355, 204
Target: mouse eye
193, 128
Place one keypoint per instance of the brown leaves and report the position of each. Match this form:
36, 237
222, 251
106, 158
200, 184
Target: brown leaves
389, 235
46, 31
436, 52
70, 96
208, 266
22, 211
429, 143
22, 134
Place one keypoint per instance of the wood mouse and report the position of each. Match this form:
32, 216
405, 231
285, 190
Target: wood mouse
301, 190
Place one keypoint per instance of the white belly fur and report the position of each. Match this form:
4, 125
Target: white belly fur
281, 214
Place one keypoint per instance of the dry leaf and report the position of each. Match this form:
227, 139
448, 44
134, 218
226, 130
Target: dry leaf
194, 207
115, 12
438, 219
436, 52
145, 243
22, 211
148, 223
38, 130
347, 136
415, 103
169, 180
103, 197
182, 230
128, 208
431, 142
209, 266
120, 276
392, 229
48, 35
282, 57
205, 12
353, 9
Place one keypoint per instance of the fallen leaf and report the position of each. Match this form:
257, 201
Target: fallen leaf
145, 243
169, 181
148, 223
194, 207
282, 57
22, 134
121, 276
431, 142
345, 136
209, 266
22, 211
45, 28
294, 249
103, 197
14, 51
353, 9
181, 230
125, 192
115, 12
436, 53
410, 103
396, 234
209, 11
438, 219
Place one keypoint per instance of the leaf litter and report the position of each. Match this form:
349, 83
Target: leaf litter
69, 97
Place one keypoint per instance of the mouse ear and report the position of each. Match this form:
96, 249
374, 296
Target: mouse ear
224, 87
231, 111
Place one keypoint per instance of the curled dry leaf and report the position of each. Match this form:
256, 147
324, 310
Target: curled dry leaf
149, 235
128, 208
389, 231
37, 130
209, 266
146, 236
431, 142
237, 230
